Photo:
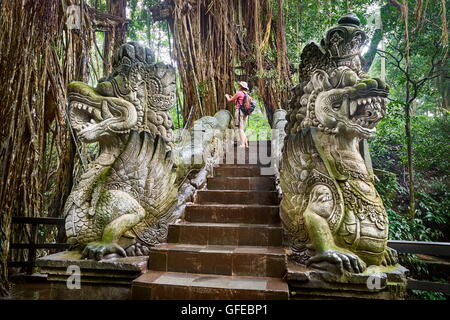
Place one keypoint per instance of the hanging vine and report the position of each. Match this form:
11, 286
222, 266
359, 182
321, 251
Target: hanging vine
37, 152
217, 43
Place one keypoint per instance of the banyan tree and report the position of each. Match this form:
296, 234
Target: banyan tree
217, 43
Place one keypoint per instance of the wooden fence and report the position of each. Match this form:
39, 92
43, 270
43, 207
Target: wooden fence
33, 245
434, 249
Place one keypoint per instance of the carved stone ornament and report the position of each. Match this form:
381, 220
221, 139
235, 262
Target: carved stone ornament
333, 217
123, 202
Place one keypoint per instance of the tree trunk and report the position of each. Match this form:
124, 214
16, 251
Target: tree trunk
5, 234
408, 137
371, 53
36, 156
443, 84
115, 36
407, 111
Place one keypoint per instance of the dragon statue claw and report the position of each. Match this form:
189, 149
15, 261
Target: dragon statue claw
99, 250
390, 257
344, 261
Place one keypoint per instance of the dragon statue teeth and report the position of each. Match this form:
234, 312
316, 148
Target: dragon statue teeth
332, 215
122, 203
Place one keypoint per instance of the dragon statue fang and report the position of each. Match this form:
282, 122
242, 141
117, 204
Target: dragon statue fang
334, 219
124, 200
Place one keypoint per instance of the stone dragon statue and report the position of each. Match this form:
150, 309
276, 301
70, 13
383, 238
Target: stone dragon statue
333, 217
123, 202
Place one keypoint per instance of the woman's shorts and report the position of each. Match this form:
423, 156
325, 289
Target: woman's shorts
239, 117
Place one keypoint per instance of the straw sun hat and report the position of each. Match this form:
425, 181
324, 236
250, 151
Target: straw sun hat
243, 84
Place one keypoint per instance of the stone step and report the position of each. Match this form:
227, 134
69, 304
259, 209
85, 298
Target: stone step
252, 149
241, 183
242, 171
262, 143
263, 155
247, 165
246, 162
237, 197
225, 234
232, 213
220, 259
253, 155
157, 285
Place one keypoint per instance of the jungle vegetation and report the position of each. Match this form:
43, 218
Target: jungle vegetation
213, 44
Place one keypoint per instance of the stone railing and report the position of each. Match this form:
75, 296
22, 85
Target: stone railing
278, 135
197, 153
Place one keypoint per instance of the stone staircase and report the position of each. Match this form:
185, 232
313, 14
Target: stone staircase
229, 244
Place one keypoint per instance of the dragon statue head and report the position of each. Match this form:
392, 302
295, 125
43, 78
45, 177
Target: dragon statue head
335, 96
340, 102
136, 96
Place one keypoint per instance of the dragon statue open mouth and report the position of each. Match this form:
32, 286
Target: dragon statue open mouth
94, 116
135, 97
343, 102
120, 205
368, 111
333, 216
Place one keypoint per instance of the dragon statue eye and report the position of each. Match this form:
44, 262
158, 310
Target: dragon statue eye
336, 105
335, 101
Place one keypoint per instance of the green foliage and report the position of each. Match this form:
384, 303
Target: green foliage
176, 115
432, 146
427, 295
140, 20
308, 20
432, 167
432, 219
258, 127
101, 5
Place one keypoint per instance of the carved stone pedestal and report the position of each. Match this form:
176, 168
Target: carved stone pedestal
383, 283
106, 280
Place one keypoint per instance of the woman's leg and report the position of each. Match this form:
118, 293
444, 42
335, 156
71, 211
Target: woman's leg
242, 122
242, 136
237, 133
